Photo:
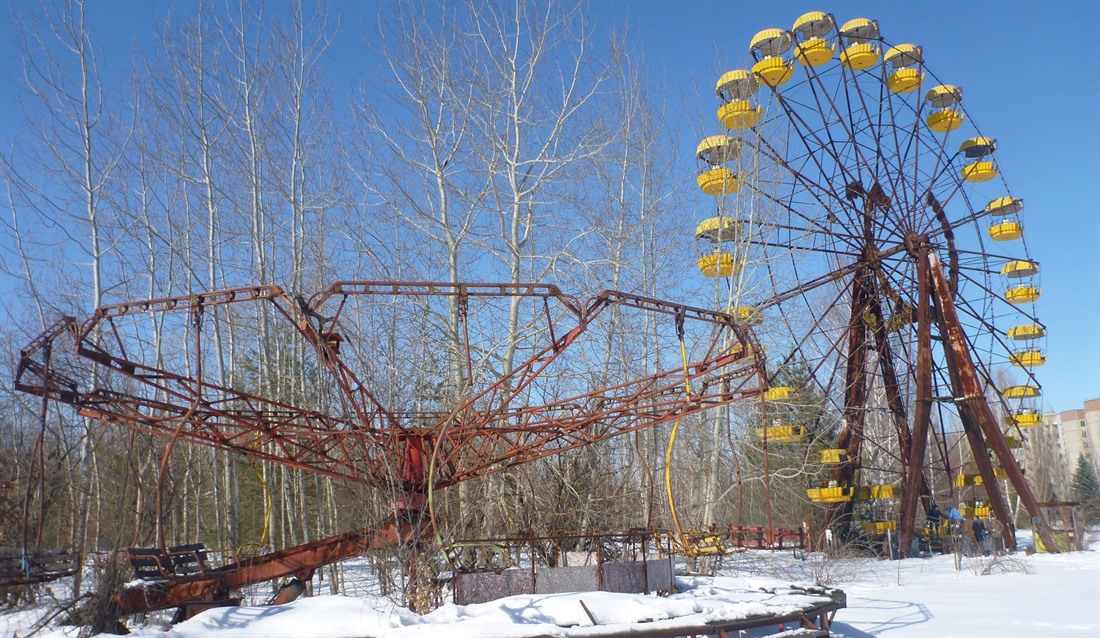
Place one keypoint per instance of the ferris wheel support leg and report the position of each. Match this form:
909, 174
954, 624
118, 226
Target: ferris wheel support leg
978, 419
922, 413
855, 402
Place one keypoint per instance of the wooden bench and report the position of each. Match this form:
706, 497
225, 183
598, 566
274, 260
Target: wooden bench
37, 565
181, 560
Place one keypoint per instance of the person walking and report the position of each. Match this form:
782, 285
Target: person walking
934, 522
955, 528
968, 536
981, 537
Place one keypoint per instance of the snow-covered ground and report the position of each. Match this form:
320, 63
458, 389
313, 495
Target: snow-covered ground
1007, 596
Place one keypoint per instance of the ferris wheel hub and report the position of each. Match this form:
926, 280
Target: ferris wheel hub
914, 242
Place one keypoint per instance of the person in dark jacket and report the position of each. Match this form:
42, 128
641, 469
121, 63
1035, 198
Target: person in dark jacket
935, 516
933, 521
981, 536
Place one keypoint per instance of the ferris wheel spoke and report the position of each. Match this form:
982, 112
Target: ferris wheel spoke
808, 286
831, 153
870, 127
834, 345
817, 193
901, 151
833, 114
981, 257
872, 119
985, 288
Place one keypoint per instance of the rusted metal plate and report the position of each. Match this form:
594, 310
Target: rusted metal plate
625, 578
481, 588
659, 574
558, 580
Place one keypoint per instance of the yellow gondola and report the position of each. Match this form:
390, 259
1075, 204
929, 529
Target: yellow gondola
945, 121
736, 85
830, 494
814, 52
740, 114
1027, 358
773, 71
1019, 269
979, 171
903, 58
975, 480
878, 492
967, 480
778, 393
1021, 392
1006, 230
1022, 294
904, 80
974, 509
718, 149
1004, 206
718, 230
1027, 331
860, 53
815, 24
878, 528
719, 181
833, 456
943, 96
904, 55
978, 147
814, 27
746, 315
859, 57
771, 43
1024, 418
859, 30
769, 46
719, 264
782, 433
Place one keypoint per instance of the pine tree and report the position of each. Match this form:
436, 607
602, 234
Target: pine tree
1086, 489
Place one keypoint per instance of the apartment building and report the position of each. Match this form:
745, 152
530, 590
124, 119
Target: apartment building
1079, 433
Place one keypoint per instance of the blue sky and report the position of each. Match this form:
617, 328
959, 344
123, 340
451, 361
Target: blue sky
1030, 71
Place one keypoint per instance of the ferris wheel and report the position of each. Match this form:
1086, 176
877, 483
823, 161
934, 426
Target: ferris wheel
863, 224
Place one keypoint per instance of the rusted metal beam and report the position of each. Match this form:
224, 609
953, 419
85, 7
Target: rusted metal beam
912, 465
855, 399
922, 409
967, 390
301, 560
475, 440
977, 417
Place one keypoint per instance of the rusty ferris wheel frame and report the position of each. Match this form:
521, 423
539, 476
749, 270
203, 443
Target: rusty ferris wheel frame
114, 369
877, 271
